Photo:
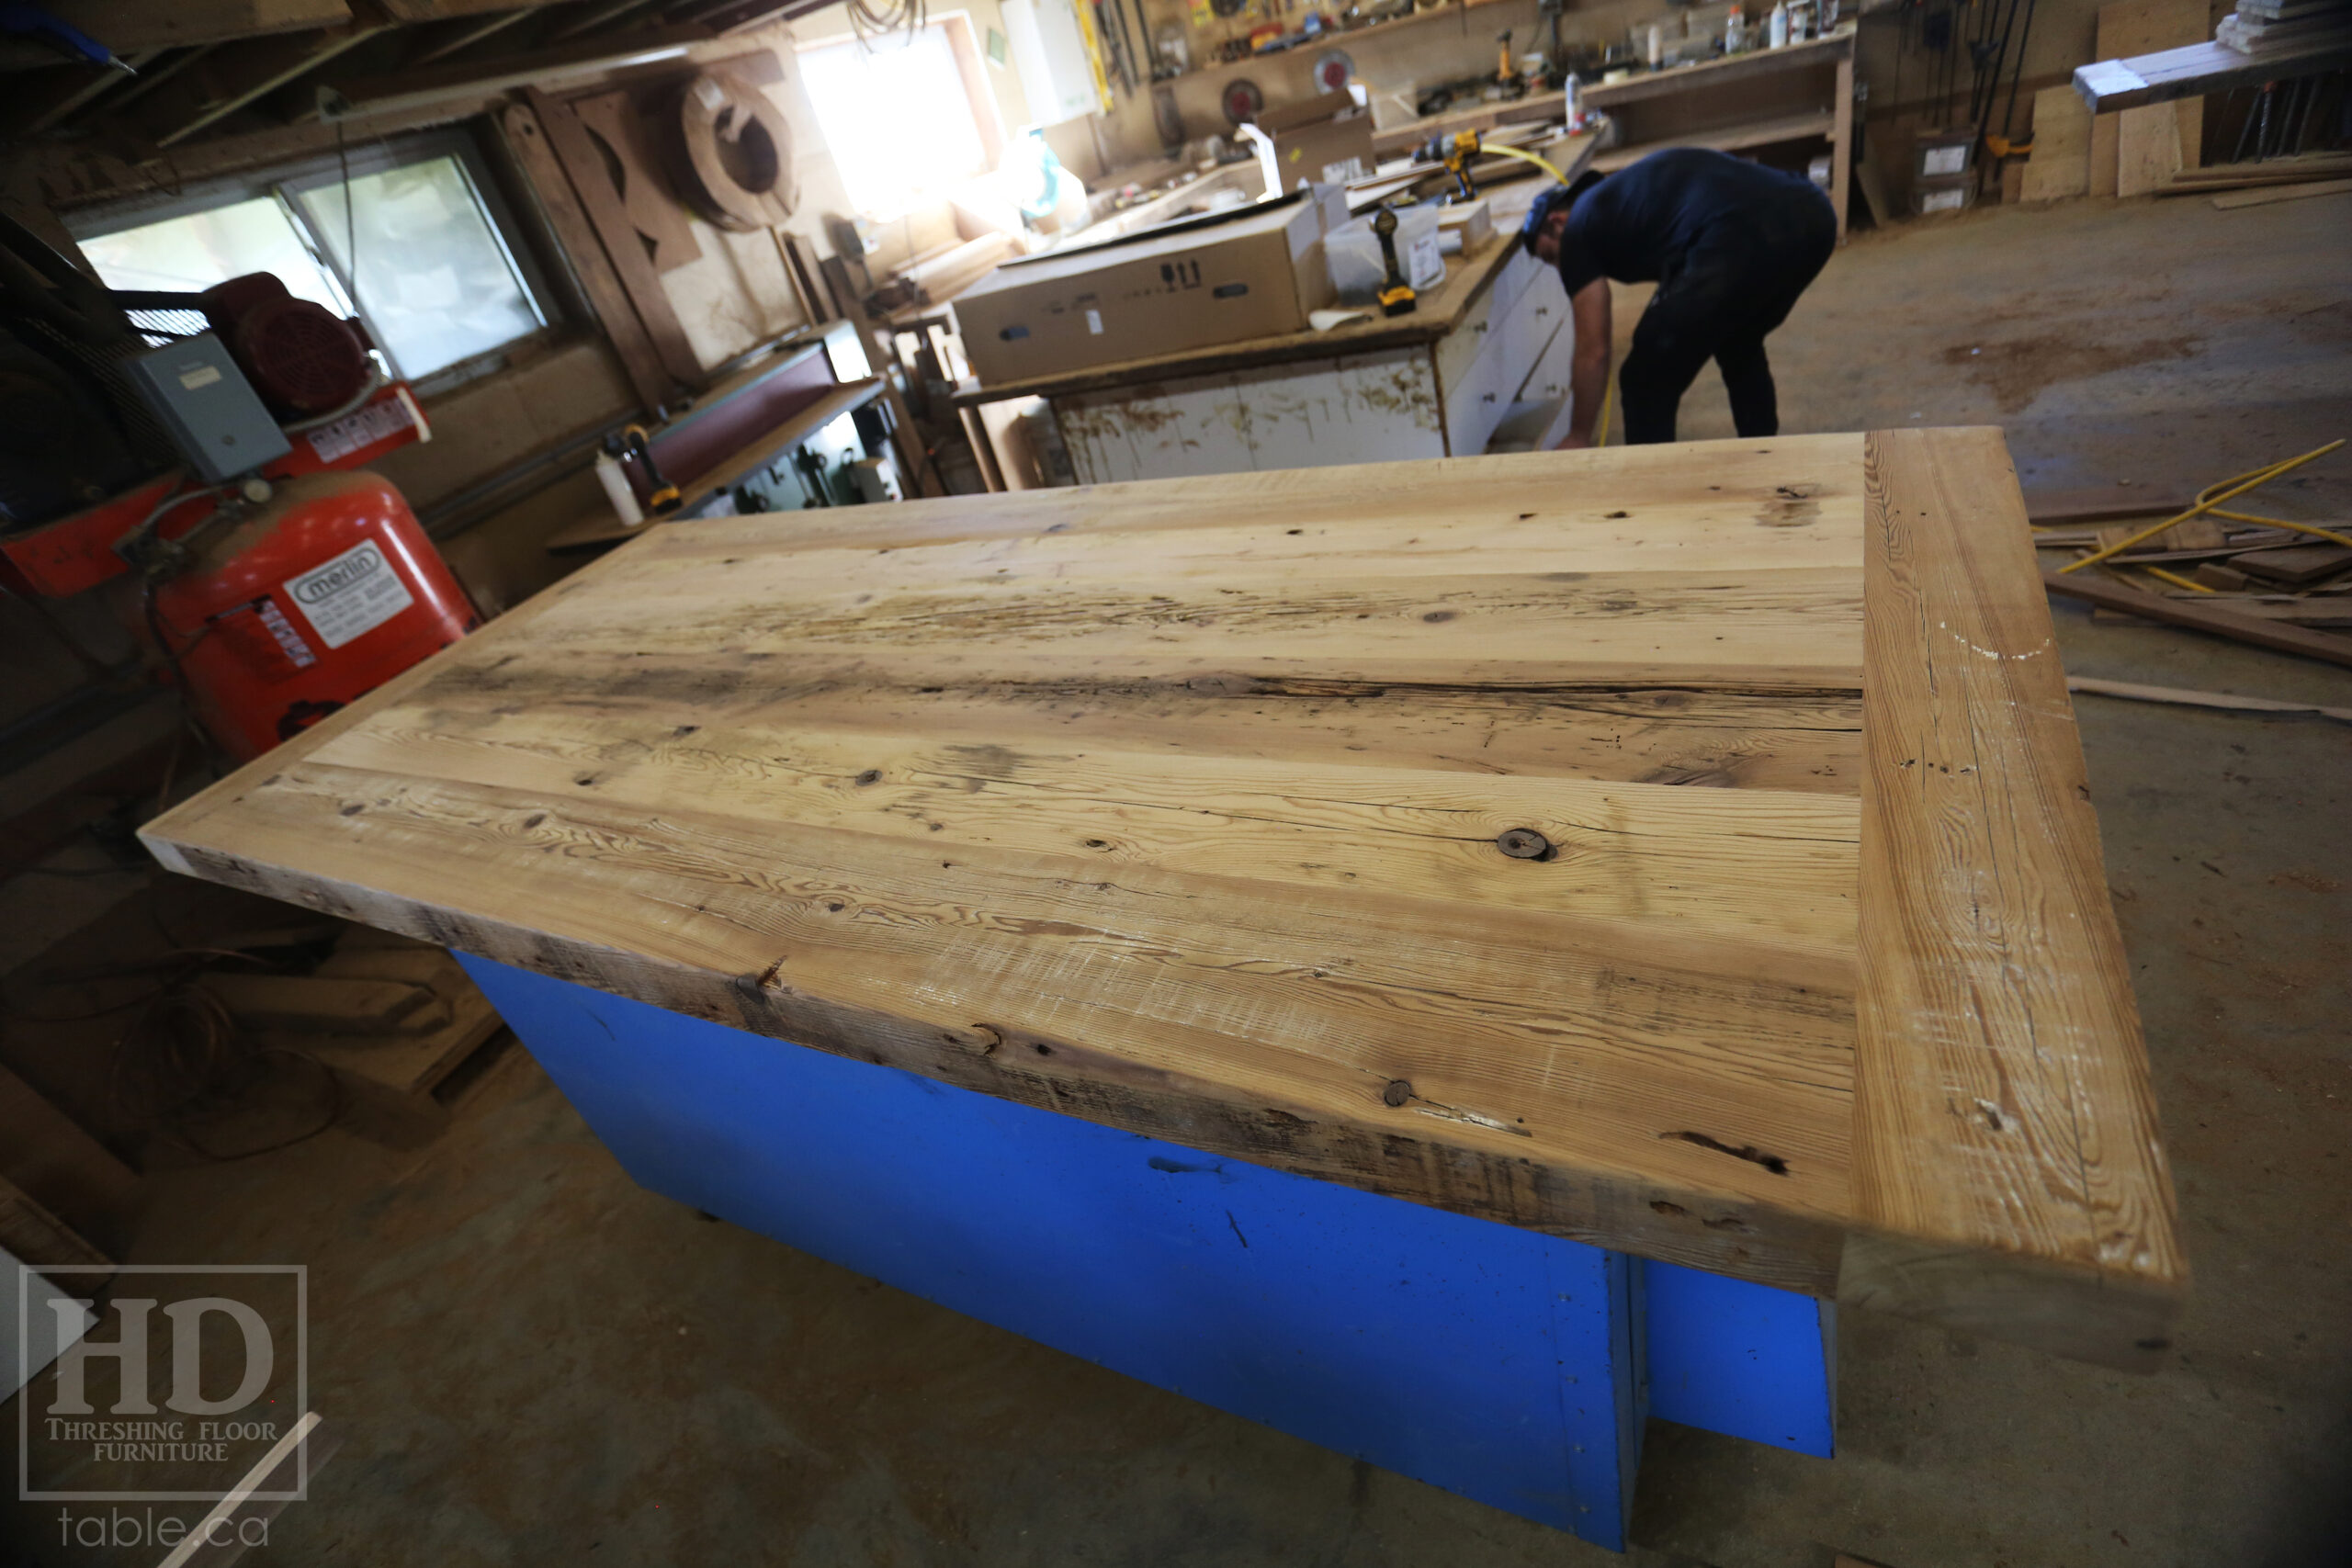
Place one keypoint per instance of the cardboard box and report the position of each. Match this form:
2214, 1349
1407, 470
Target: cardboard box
1256, 273
1476, 223
1325, 140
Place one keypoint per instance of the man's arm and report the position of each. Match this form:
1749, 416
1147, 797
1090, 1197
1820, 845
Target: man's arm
1589, 374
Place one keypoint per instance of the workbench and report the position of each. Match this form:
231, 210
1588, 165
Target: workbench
1741, 102
1443, 958
1432, 384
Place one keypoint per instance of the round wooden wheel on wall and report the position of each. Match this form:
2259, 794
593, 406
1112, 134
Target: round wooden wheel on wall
734, 153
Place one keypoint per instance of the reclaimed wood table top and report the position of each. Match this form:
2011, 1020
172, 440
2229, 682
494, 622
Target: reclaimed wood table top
1683, 849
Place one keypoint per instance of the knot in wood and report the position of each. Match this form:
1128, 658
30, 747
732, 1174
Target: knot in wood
1523, 843
1397, 1092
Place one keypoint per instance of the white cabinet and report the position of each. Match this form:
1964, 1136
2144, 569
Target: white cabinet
1048, 45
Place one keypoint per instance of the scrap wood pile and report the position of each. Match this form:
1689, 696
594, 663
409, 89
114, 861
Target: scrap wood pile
2275, 582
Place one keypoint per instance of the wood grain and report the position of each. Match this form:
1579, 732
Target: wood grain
1177, 807
2008, 1172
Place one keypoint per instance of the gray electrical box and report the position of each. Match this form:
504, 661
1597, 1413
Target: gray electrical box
207, 408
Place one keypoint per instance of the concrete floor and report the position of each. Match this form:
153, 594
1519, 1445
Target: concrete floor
534, 1360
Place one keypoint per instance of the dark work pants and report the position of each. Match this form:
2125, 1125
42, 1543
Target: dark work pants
1734, 286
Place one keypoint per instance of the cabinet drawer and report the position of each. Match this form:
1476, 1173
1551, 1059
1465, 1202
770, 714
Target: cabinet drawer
1481, 326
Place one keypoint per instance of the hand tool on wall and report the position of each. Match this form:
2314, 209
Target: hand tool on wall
1396, 296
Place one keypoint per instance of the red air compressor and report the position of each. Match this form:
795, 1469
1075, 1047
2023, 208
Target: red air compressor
279, 580
313, 598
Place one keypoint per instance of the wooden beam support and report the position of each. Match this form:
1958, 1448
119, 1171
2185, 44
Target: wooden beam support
126, 24
256, 72
561, 206
609, 217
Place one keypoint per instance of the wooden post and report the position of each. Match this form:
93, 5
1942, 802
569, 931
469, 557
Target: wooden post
1841, 140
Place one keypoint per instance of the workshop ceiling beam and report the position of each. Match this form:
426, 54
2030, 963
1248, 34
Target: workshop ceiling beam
128, 25
252, 73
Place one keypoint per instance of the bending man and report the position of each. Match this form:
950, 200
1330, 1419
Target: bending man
1730, 244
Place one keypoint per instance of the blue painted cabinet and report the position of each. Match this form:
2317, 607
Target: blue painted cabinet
1511, 1366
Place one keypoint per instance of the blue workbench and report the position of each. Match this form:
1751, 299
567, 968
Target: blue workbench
1508, 1366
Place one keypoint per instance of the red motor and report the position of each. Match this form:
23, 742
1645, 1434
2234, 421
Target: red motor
308, 603
301, 357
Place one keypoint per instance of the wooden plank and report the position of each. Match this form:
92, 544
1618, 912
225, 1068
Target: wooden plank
47, 1155
2154, 140
1489, 833
2179, 696
35, 1235
126, 24
326, 1005
2187, 612
2113, 85
1719, 73
2147, 149
2101, 503
561, 203
1727, 138
2283, 193
2060, 166
602, 204
2296, 564
2008, 1174
1842, 142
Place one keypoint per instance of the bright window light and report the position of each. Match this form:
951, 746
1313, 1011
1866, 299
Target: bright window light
896, 116
190, 253
439, 285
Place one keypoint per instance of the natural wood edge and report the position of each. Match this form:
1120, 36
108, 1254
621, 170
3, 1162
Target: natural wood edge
2009, 1173
1716, 1231
2107, 1319
160, 834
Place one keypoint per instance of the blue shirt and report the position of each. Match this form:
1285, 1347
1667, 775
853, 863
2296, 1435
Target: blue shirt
1637, 225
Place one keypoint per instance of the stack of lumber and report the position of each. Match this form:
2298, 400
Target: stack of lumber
2257, 22
2233, 578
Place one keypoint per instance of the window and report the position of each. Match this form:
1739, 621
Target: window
905, 117
437, 281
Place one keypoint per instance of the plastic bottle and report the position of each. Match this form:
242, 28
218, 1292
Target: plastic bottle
610, 474
1735, 32
1777, 33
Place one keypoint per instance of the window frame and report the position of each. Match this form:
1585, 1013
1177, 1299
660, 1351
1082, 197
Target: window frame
284, 183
